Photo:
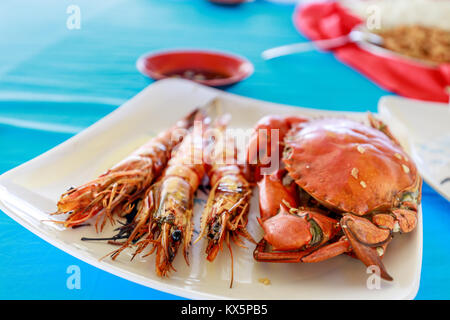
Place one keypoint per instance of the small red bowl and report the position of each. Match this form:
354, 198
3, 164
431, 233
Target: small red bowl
210, 68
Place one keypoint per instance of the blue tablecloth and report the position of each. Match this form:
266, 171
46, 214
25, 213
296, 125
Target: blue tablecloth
54, 81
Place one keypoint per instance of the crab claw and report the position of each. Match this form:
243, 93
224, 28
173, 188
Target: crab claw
364, 237
286, 231
265, 146
298, 229
273, 193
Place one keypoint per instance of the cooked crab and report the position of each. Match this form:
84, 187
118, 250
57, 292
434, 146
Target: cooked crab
341, 187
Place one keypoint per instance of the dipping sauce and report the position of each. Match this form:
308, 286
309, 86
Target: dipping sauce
196, 75
210, 68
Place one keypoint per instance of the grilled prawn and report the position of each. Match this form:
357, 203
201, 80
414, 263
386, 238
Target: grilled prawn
225, 213
118, 188
164, 217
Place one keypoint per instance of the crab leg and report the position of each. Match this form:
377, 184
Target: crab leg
364, 238
328, 251
263, 253
369, 239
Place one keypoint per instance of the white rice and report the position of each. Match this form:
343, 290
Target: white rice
432, 13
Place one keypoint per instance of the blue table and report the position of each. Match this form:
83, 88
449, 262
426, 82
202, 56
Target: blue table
54, 81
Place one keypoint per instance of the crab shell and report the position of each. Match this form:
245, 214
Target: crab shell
348, 166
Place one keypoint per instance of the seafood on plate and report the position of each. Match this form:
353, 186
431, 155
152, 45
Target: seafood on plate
224, 217
340, 187
164, 214
117, 189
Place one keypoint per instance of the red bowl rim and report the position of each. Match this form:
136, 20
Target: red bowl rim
247, 65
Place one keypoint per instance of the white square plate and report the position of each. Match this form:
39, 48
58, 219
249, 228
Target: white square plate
29, 192
428, 128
